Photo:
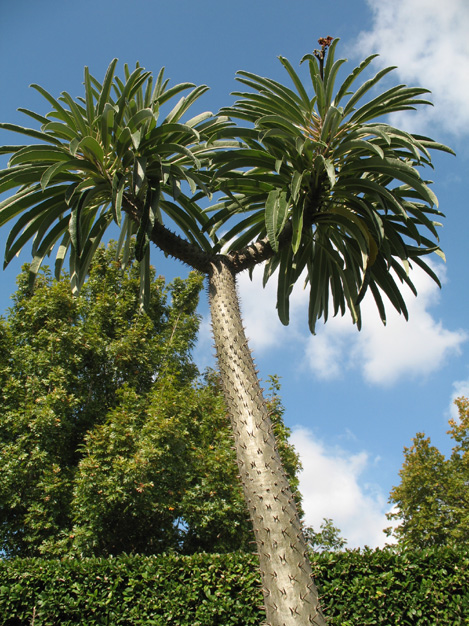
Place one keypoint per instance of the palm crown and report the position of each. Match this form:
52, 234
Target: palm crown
324, 189
343, 189
101, 159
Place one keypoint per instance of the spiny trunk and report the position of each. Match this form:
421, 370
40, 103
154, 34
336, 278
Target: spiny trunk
290, 595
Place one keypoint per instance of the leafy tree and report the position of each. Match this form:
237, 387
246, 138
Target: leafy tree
67, 359
432, 500
312, 185
161, 474
326, 539
109, 442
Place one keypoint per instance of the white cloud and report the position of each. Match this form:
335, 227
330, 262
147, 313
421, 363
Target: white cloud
263, 328
331, 488
383, 354
204, 353
460, 388
427, 40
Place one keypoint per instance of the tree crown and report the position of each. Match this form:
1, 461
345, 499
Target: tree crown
316, 186
431, 501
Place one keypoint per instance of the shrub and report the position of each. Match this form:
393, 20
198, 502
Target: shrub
358, 588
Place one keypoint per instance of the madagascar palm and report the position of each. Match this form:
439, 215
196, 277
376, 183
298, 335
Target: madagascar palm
309, 187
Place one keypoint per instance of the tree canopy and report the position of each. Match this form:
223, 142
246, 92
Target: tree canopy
313, 185
111, 441
432, 499
326, 539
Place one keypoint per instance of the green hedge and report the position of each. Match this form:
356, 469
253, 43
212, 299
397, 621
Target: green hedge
382, 587
131, 590
357, 588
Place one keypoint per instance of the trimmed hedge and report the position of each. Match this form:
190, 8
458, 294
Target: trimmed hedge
384, 587
357, 588
170, 590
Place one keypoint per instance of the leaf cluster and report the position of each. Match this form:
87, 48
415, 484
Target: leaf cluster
105, 158
308, 178
172, 590
415, 588
326, 539
64, 362
342, 188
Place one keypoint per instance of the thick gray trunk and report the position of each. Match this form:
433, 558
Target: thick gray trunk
290, 595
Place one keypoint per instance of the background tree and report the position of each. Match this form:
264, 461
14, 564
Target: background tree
432, 500
110, 442
67, 358
312, 185
326, 539
160, 474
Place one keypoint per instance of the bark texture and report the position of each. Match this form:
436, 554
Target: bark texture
290, 595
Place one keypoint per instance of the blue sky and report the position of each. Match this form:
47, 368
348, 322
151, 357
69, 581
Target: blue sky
353, 400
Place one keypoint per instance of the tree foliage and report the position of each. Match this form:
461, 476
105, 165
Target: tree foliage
317, 182
110, 441
432, 500
326, 539
335, 192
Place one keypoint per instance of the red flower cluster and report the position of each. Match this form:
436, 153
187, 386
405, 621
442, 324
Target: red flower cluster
325, 42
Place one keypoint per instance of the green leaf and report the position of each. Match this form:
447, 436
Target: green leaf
322, 164
90, 148
79, 115
138, 175
166, 94
78, 219
147, 221
106, 88
174, 148
61, 130
89, 96
363, 89
52, 171
144, 265
43, 154
60, 112
90, 245
343, 90
36, 116
45, 248
284, 284
296, 81
184, 103
276, 213
140, 118
330, 124
118, 186
30, 223
23, 200
107, 125
277, 120
297, 226
330, 74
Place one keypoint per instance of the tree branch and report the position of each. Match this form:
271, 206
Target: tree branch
259, 251
170, 243
181, 249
